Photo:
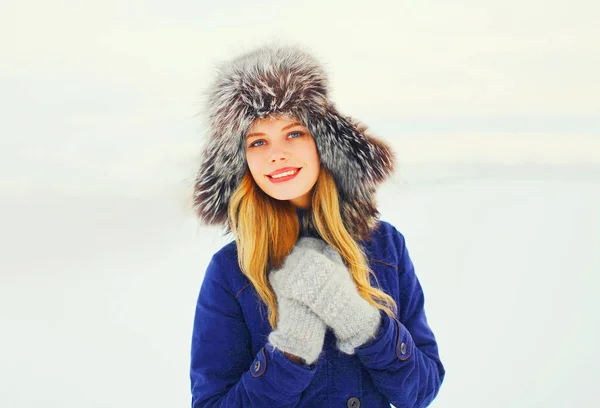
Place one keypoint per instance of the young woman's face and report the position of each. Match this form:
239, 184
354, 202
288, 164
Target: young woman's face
275, 144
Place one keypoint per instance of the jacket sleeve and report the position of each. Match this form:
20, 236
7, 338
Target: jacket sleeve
403, 359
223, 371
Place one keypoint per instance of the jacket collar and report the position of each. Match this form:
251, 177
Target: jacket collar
306, 228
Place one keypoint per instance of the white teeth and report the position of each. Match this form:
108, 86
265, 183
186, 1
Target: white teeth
287, 173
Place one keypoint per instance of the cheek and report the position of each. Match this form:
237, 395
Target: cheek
252, 165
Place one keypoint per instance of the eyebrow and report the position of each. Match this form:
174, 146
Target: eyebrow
282, 129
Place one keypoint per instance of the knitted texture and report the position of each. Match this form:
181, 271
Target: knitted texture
299, 331
314, 274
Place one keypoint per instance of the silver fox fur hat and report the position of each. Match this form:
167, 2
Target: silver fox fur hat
273, 80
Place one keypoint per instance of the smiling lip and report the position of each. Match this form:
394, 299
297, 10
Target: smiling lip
282, 179
282, 170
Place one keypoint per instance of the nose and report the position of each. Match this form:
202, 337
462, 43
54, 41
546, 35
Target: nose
278, 155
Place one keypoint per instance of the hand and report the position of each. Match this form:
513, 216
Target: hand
314, 274
299, 333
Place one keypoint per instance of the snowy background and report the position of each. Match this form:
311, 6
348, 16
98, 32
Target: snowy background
492, 107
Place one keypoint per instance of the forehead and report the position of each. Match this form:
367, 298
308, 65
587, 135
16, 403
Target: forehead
273, 123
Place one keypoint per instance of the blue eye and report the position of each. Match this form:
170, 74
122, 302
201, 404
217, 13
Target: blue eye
253, 144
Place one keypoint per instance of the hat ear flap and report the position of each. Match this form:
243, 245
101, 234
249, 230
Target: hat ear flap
357, 160
384, 158
220, 173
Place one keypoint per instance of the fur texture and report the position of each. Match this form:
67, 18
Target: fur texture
288, 80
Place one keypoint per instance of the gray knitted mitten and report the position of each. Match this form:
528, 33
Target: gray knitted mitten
299, 331
316, 276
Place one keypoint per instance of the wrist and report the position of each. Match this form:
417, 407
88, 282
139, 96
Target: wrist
294, 358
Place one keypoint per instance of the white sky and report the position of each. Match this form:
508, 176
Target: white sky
103, 96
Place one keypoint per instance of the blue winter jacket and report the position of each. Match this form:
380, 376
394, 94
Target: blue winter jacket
233, 365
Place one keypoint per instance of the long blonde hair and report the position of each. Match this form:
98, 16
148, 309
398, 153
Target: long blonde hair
266, 231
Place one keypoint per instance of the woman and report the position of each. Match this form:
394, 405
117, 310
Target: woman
316, 302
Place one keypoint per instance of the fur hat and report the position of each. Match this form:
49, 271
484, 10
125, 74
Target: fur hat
287, 80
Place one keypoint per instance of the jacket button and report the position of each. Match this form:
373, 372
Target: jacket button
403, 348
257, 366
353, 403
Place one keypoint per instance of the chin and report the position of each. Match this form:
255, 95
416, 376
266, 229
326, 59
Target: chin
282, 196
